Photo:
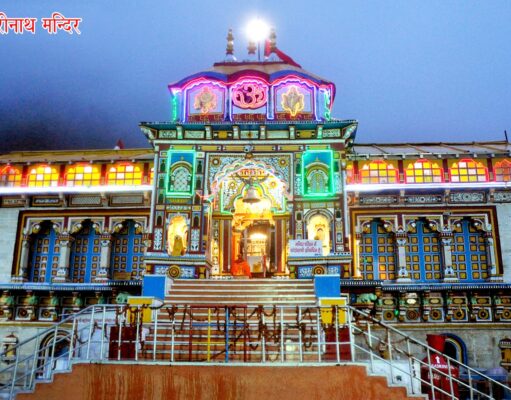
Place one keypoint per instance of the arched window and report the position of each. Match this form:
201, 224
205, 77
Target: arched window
10, 176
317, 180
378, 172
181, 179
468, 170
424, 171
44, 254
124, 174
502, 171
83, 175
127, 251
469, 257
318, 228
85, 254
377, 253
423, 253
43, 176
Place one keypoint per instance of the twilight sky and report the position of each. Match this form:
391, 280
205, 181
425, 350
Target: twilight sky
407, 70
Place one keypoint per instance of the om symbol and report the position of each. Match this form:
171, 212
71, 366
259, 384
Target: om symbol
249, 95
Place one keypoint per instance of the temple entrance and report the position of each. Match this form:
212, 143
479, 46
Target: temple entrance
253, 238
249, 221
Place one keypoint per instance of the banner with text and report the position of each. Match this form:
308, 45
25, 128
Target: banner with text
305, 248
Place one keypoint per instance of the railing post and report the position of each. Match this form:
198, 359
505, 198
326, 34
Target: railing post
103, 333
450, 379
300, 338
54, 342
91, 328
318, 328
138, 342
35, 360
432, 385
72, 342
155, 332
471, 390
263, 337
281, 334
119, 339
173, 336
14, 373
351, 336
370, 343
337, 344
410, 362
389, 349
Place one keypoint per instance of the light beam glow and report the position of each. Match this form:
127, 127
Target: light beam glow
257, 30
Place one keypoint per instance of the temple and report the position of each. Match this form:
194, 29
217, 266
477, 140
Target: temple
253, 178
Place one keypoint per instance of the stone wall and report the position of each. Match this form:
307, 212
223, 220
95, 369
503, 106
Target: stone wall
8, 227
504, 220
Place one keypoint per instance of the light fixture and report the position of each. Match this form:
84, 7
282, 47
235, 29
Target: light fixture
257, 30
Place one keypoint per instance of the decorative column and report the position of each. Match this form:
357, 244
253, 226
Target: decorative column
65, 242
446, 240
23, 265
225, 249
280, 245
356, 255
403, 274
104, 261
492, 263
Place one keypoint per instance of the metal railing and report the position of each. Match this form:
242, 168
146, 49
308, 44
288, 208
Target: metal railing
294, 335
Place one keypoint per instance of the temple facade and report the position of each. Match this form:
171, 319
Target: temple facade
252, 177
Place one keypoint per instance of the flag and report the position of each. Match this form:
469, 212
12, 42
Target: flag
283, 56
119, 145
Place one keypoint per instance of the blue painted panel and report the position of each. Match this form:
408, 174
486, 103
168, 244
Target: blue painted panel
154, 286
327, 285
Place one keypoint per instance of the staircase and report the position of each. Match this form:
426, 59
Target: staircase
221, 322
205, 328
247, 292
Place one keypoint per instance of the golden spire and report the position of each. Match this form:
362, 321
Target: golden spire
230, 43
252, 47
273, 40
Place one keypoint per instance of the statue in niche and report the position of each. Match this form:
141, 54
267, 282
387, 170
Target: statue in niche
178, 249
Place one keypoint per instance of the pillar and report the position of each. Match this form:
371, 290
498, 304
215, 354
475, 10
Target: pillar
403, 274
65, 242
104, 261
449, 274
225, 248
280, 245
22, 273
492, 262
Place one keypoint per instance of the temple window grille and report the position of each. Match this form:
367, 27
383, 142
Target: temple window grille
127, 251
378, 172
85, 255
43, 176
423, 253
45, 252
317, 181
469, 256
423, 171
181, 178
10, 177
502, 171
468, 170
377, 253
124, 174
83, 175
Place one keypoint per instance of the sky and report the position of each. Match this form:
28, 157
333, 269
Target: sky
407, 70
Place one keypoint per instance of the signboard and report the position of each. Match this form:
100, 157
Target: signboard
305, 248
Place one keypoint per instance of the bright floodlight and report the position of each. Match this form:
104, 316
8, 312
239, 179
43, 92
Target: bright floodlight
257, 30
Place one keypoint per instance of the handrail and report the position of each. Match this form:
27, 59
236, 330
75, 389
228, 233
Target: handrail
219, 333
418, 342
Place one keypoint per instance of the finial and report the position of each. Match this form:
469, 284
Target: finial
273, 40
272, 55
252, 47
229, 50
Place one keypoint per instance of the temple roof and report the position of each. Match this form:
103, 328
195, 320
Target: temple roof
76, 155
427, 149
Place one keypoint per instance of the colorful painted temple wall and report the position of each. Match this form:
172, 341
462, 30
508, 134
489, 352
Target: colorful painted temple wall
252, 177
